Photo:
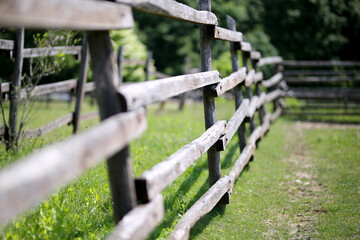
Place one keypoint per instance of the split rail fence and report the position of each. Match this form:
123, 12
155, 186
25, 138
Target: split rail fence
16, 92
73, 85
123, 116
330, 88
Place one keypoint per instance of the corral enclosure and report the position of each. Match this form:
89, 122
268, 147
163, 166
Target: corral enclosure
138, 203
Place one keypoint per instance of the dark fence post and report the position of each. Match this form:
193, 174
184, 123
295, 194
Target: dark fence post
206, 33
120, 62
80, 84
148, 65
237, 90
105, 76
12, 136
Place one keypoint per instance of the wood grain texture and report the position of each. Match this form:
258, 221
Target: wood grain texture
234, 124
65, 14
262, 100
24, 184
203, 206
140, 221
206, 35
249, 80
253, 106
255, 135
48, 127
63, 86
246, 47
276, 114
255, 55
241, 162
172, 9
5, 87
258, 77
266, 125
274, 95
6, 44
322, 63
273, 80
269, 60
145, 93
51, 51
227, 35
316, 79
119, 165
89, 87
230, 82
164, 173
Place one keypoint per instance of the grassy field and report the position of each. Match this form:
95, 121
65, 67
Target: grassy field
304, 183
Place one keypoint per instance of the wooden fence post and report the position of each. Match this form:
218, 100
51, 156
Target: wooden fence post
148, 65
237, 90
262, 110
206, 33
80, 84
106, 81
120, 62
249, 94
12, 135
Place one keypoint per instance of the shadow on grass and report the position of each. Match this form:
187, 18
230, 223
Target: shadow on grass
174, 199
228, 159
219, 210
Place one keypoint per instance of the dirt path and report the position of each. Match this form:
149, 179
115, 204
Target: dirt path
303, 188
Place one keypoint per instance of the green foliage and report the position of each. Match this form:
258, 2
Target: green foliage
325, 29
182, 39
133, 49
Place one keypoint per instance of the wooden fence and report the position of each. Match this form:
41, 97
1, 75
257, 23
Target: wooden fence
123, 116
64, 86
328, 87
73, 85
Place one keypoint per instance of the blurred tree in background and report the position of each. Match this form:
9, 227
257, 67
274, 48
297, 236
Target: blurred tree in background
310, 29
306, 29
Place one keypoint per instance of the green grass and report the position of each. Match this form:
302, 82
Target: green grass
303, 183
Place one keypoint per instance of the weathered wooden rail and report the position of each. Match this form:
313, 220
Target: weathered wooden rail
79, 86
320, 84
123, 116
